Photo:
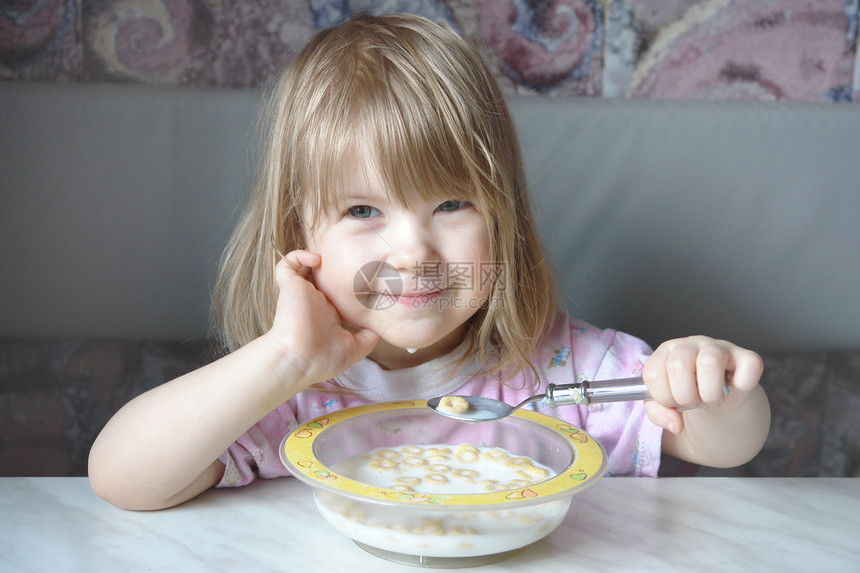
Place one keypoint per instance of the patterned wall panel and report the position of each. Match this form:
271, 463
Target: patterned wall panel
767, 50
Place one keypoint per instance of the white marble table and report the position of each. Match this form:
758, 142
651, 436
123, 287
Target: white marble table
752, 525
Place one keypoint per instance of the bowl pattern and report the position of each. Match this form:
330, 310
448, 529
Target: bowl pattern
587, 462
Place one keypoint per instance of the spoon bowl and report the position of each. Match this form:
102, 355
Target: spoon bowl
481, 409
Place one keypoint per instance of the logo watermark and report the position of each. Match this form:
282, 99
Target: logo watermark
377, 284
374, 279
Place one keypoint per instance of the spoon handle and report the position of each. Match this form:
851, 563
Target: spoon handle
593, 392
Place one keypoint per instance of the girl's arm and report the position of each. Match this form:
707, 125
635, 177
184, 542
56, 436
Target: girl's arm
162, 448
711, 428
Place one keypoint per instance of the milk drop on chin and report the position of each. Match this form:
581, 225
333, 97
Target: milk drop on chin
411, 350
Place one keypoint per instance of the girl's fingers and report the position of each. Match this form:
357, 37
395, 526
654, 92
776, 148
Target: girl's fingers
748, 368
365, 342
684, 373
303, 312
670, 374
712, 371
667, 418
296, 262
687, 372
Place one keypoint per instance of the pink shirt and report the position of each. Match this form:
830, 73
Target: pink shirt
573, 351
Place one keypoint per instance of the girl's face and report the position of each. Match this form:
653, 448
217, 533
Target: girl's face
413, 274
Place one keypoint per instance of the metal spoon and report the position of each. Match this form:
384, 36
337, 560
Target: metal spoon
487, 409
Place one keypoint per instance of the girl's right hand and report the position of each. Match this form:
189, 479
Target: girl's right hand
309, 329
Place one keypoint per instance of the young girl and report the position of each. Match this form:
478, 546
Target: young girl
393, 183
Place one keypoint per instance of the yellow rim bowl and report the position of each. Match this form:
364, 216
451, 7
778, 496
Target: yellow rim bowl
310, 450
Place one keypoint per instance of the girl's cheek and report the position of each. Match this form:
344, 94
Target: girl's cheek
334, 277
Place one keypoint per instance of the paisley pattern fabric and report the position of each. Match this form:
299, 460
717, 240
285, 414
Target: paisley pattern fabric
549, 47
766, 50
735, 49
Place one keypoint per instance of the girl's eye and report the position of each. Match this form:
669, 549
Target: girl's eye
363, 212
451, 205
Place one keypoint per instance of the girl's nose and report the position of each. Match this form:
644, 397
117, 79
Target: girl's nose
411, 245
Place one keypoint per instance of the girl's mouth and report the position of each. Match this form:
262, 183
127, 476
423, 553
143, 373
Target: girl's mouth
413, 299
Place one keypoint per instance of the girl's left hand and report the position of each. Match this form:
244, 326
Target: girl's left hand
686, 373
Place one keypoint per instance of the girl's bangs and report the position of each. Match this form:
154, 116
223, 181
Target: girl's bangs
415, 151
383, 144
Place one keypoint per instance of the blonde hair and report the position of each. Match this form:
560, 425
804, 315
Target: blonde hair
421, 106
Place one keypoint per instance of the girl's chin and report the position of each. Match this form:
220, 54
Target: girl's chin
428, 336
401, 346
392, 343
392, 357
421, 345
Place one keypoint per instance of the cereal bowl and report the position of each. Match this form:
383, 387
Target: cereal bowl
415, 487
